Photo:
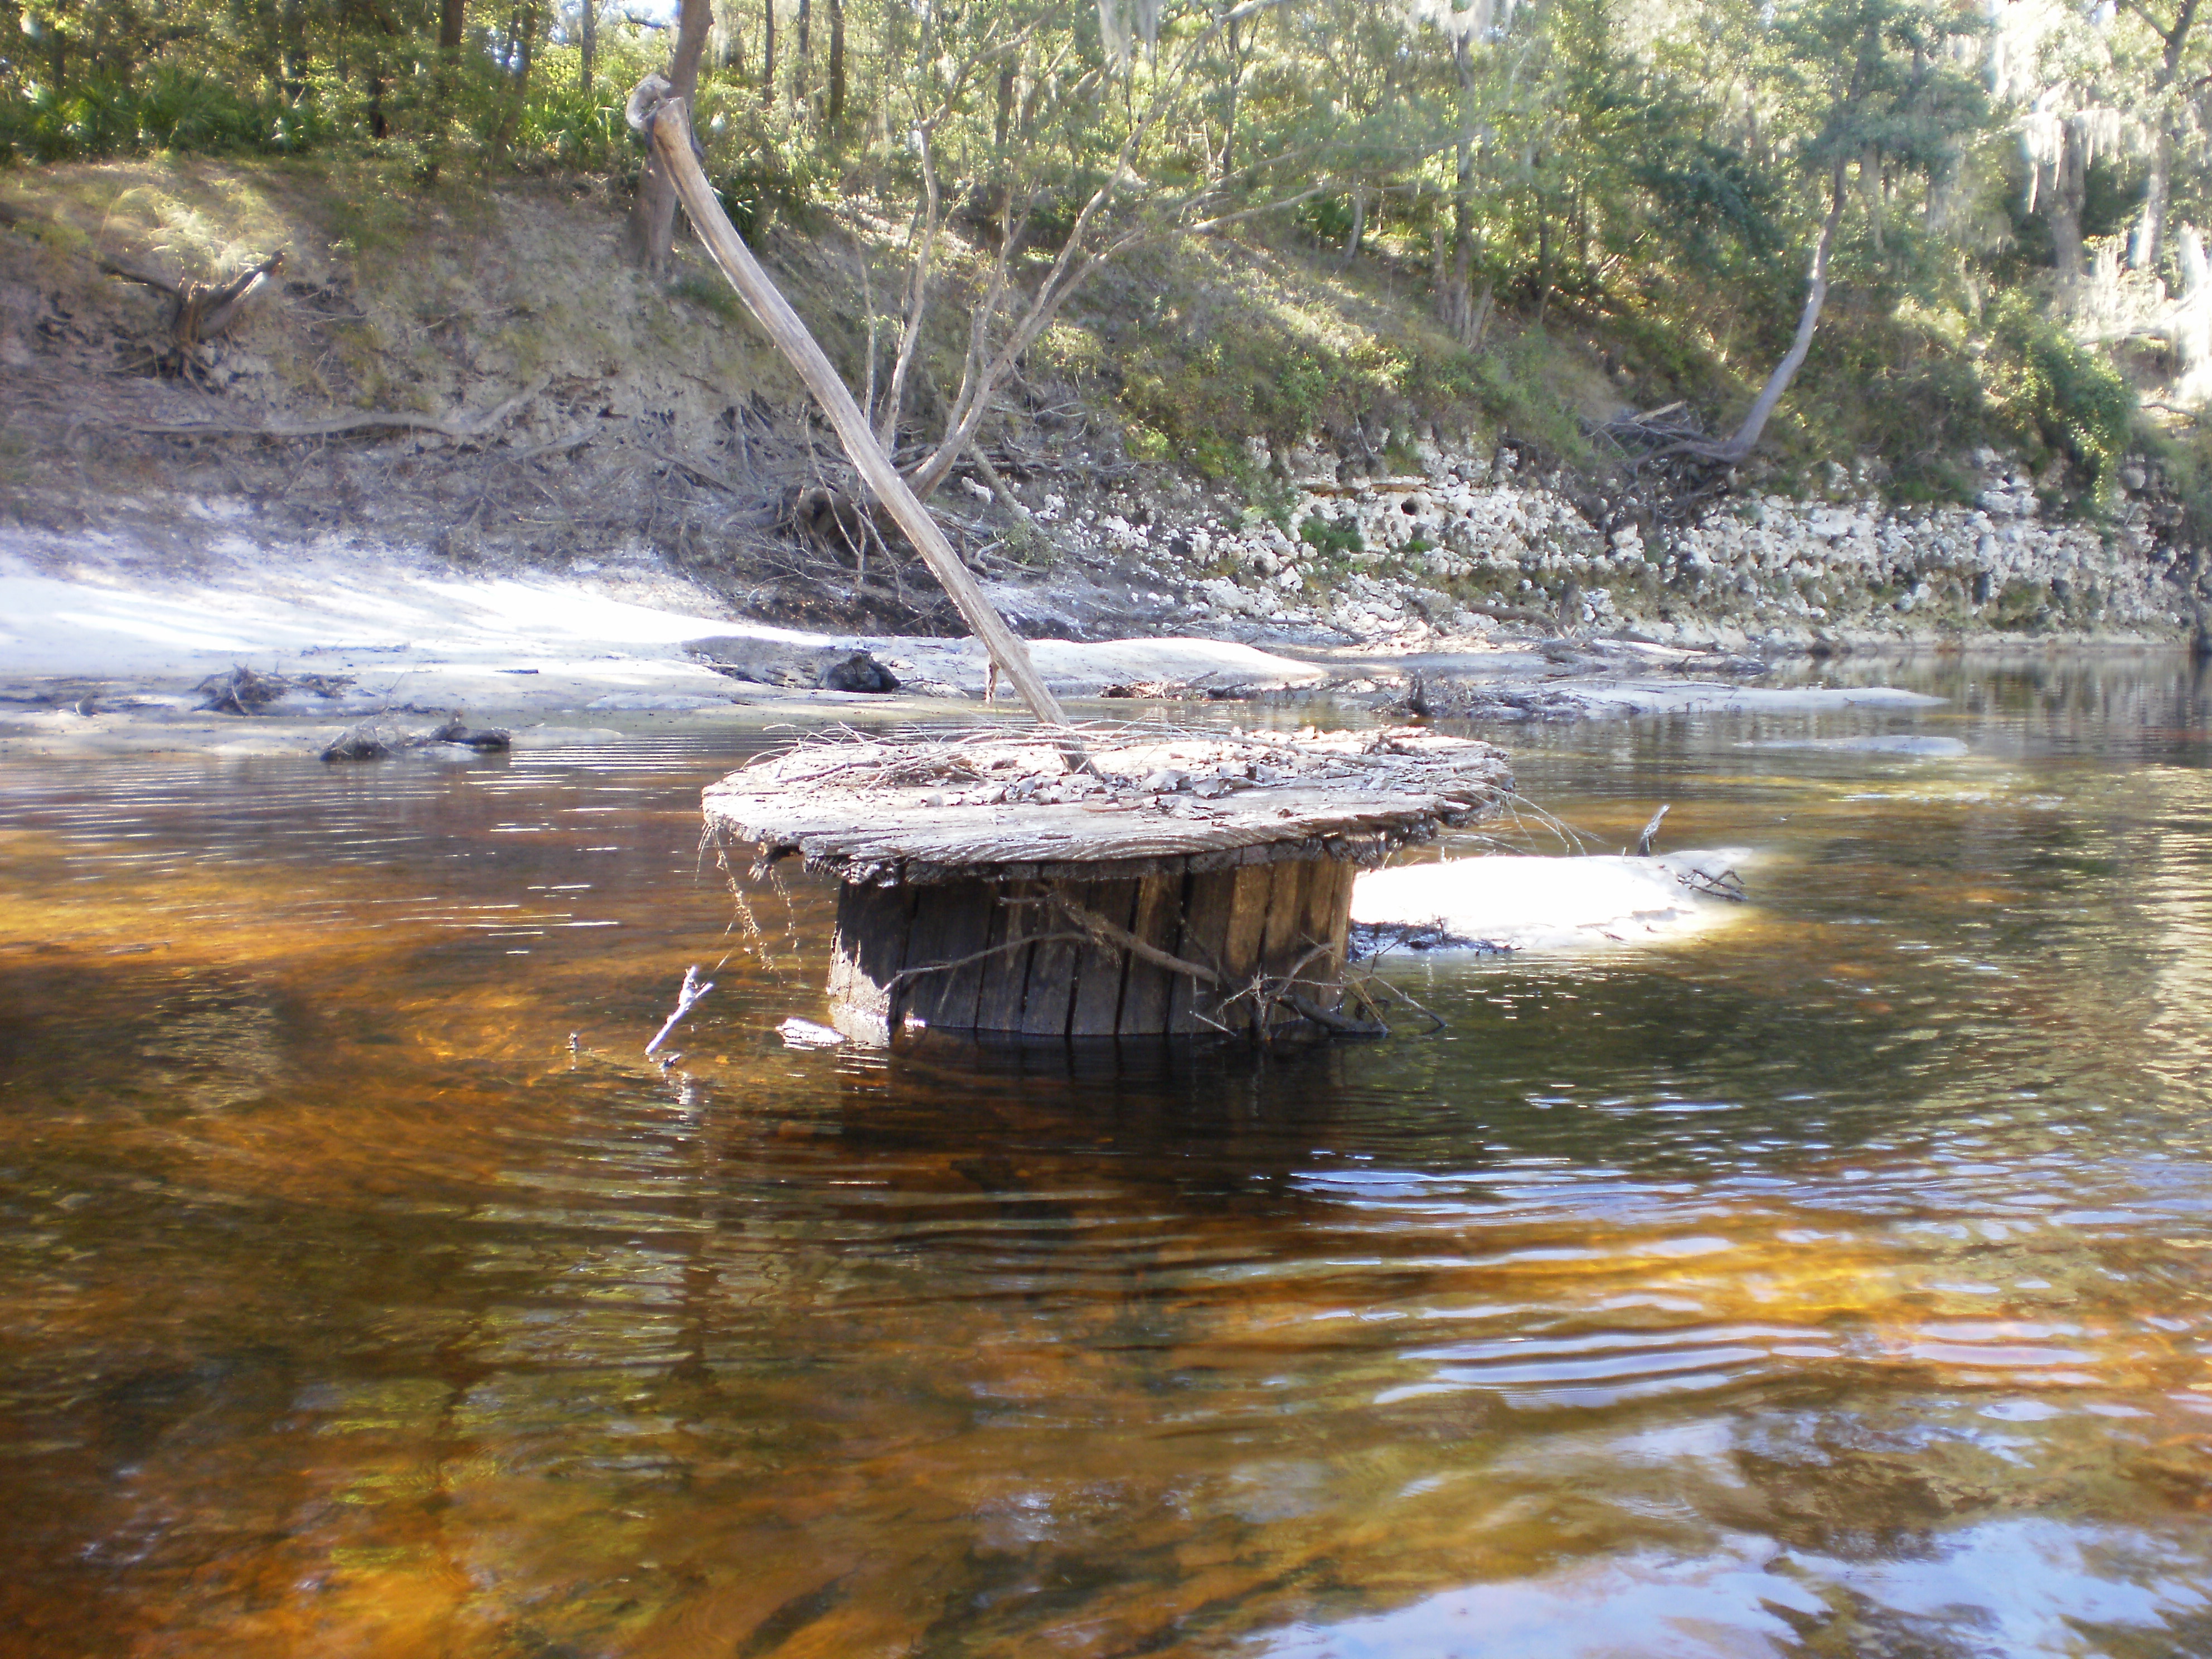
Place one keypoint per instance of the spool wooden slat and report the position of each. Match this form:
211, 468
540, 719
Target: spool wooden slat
1102, 971
1006, 970
1208, 903
1147, 987
1048, 1000
873, 924
1182, 883
951, 921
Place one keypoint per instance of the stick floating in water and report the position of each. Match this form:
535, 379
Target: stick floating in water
686, 999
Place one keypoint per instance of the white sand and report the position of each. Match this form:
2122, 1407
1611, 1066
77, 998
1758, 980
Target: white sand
528, 652
1515, 903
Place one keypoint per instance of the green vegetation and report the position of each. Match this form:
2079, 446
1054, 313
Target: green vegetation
1333, 215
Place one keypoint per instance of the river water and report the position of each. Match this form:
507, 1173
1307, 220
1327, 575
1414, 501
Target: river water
1835, 1284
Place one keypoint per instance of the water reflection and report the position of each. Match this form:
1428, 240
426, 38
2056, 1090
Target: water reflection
1837, 1285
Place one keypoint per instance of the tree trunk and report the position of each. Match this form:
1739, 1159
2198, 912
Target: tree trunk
1236, 87
803, 71
836, 61
1459, 294
652, 230
1816, 295
671, 128
2067, 189
2149, 240
2150, 229
1358, 233
528, 50
293, 42
590, 44
1543, 257
768, 56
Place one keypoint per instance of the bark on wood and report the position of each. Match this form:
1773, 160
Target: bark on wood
670, 127
199, 311
1747, 436
651, 229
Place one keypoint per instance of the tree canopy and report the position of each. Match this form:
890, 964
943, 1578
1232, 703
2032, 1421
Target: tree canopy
1665, 173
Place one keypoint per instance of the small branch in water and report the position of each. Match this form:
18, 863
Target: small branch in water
1644, 842
692, 991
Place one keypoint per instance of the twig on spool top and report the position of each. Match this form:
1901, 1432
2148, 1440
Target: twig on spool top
692, 991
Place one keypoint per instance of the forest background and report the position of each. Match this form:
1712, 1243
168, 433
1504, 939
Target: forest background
1793, 235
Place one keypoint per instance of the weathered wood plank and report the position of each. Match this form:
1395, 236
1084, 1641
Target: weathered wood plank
898, 833
1005, 972
869, 951
1254, 885
1101, 971
1286, 916
1209, 901
1279, 944
1146, 988
1049, 1000
1327, 920
951, 919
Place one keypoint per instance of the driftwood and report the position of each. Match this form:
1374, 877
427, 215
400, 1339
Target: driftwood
196, 312
375, 739
693, 988
666, 122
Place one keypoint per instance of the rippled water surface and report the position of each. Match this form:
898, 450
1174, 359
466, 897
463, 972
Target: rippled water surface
1834, 1286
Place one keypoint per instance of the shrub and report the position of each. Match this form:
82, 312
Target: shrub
2055, 396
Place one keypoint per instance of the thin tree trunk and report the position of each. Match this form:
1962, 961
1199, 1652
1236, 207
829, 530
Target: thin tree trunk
2149, 240
1870, 181
1816, 296
1543, 257
2150, 229
671, 133
591, 43
768, 55
887, 418
1235, 87
1358, 226
652, 230
836, 61
1458, 296
2067, 190
803, 71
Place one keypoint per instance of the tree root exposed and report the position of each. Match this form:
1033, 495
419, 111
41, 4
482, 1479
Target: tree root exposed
452, 425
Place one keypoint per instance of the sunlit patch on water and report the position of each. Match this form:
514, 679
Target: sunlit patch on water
1835, 1284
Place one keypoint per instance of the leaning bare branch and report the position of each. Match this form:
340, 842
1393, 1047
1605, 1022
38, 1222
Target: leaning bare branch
693, 989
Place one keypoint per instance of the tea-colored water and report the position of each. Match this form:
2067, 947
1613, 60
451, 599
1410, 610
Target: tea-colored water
1837, 1285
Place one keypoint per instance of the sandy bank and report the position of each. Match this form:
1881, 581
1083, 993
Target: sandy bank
105, 658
